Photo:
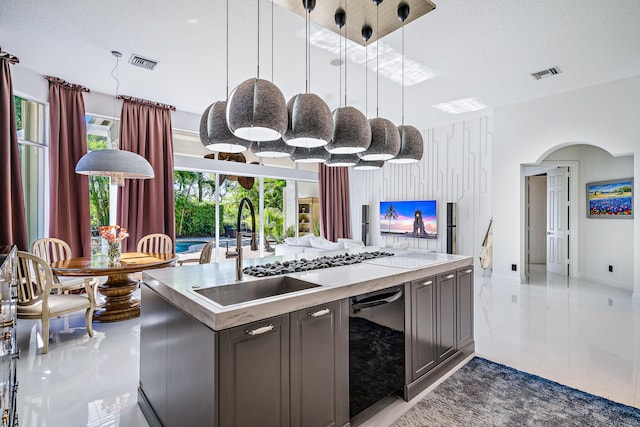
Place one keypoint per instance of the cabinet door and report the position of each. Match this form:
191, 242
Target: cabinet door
464, 285
319, 365
153, 351
446, 309
254, 374
423, 326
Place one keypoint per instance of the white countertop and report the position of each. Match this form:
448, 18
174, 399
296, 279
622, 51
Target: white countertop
177, 284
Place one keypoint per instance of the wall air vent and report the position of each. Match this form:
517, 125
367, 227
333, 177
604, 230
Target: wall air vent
142, 62
546, 73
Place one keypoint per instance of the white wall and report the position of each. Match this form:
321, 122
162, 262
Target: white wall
605, 116
603, 241
456, 167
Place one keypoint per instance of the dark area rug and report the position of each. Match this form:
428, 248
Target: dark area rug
484, 393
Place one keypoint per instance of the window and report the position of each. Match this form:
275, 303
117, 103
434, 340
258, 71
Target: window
30, 124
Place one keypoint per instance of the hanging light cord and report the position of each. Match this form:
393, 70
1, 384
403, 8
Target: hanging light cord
366, 78
227, 51
114, 75
306, 52
340, 92
403, 72
258, 61
377, 60
271, 41
346, 7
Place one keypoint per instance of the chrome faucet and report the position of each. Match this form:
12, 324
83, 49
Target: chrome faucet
254, 244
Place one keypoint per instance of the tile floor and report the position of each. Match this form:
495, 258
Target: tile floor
579, 333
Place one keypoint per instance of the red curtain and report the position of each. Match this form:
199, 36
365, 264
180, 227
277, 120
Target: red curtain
334, 202
69, 217
13, 228
147, 206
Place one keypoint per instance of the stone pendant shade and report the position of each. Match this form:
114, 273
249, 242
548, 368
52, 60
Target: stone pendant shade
351, 132
364, 165
214, 132
309, 121
344, 160
257, 111
385, 140
271, 149
411, 145
310, 155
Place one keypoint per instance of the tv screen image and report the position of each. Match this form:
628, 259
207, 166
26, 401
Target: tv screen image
409, 218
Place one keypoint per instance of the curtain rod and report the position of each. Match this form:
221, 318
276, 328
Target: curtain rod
8, 57
146, 102
64, 83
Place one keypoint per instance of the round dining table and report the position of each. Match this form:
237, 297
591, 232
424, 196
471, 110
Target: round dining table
118, 289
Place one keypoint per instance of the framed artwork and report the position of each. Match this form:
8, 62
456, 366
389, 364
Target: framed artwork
610, 199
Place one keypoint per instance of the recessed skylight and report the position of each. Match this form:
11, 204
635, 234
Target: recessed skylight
390, 59
463, 105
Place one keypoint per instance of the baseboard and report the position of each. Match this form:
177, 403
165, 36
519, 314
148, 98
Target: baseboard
147, 410
416, 387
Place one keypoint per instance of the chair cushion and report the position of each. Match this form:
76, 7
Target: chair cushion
57, 304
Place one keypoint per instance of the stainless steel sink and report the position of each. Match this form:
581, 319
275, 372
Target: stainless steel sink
249, 291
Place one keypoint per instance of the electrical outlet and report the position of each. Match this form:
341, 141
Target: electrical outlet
611, 268
514, 267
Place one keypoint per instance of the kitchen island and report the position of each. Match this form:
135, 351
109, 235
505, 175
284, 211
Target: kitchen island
284, 360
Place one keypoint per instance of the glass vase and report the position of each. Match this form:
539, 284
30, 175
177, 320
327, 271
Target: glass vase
113, 252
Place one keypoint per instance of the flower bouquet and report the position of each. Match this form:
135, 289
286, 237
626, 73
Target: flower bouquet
113, 235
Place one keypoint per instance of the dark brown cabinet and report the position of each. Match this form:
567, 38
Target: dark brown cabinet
423, 326
464, 309
441, 325
254, 374
319, 368
446, 315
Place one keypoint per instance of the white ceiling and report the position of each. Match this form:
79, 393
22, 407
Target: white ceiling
480, 48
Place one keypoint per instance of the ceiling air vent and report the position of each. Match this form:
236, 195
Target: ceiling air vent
142, 62
546, 73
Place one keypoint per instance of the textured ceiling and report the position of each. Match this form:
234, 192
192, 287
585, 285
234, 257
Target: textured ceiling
481, 48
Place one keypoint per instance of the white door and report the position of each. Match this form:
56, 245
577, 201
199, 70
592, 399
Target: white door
557, 227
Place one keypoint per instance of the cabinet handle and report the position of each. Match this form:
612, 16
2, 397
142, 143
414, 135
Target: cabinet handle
7, 323
430, 282
451, 276
468, 271
319, 313
259, 331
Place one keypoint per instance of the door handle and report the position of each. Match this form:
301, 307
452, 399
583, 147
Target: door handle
548, 232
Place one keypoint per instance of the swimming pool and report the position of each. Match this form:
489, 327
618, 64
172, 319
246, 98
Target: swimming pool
184, 246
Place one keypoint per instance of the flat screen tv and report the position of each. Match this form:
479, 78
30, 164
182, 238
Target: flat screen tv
409, 218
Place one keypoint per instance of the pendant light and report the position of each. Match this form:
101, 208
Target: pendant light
411, 142
368, 165
214, 132
115, 163
271, 149
342, 160
310, 155
385, 139
257, 110
309, 118
351, 131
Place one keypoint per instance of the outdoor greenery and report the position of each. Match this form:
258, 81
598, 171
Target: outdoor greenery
98, 188
195, 204
17, 101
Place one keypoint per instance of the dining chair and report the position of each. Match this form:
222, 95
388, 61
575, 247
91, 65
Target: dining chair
205, 255
155, 243
35, 301
52, 249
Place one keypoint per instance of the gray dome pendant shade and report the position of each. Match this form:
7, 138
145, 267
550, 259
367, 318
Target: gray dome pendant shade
364, 165
309, 121
351, 132
257, 111
271, 149
117, 164
310, 155
385, 140
411, 145
342, 160
215, 134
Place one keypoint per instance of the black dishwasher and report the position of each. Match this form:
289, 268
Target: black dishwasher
376, 347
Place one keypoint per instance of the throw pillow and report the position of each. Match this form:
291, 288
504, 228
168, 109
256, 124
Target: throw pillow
322, 243
304, 241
